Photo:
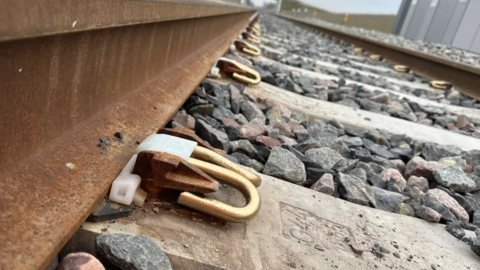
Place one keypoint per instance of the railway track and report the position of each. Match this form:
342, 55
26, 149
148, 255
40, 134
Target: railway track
79, 76
462, 75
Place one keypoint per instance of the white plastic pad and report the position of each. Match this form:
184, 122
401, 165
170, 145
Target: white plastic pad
168, 144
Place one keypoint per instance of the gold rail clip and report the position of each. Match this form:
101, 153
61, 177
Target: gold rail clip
246, 47
402, 68
251, 37
254, 31
443, 85
236, 70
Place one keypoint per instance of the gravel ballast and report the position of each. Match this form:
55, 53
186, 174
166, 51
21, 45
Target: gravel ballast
370, 167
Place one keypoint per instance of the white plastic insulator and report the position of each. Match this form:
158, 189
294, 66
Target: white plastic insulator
214, 71
125, 185
139, 197
233, 47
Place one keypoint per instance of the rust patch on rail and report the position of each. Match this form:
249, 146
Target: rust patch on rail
60, 94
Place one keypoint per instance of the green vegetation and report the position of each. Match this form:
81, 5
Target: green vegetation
287, 6
382, 23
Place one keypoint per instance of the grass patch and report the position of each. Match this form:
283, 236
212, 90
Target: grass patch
382, 23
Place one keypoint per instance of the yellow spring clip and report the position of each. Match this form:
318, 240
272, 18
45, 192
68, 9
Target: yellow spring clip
225, 174
376, 57
443, 85
237, 71
358, 50
251, 37
256, 25
253, 31
402, 68
245, 47
172, 162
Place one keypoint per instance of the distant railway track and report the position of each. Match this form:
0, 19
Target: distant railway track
464, 77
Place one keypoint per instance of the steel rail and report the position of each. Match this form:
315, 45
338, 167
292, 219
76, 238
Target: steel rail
123, 66
464, 77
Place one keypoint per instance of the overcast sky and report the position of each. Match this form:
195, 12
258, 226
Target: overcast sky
352, 6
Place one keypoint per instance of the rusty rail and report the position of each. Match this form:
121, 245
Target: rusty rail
73, 72
464, 77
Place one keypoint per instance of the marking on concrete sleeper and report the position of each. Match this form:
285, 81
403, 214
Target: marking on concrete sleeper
309, 229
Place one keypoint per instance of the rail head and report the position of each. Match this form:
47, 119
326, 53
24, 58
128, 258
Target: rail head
21, 19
